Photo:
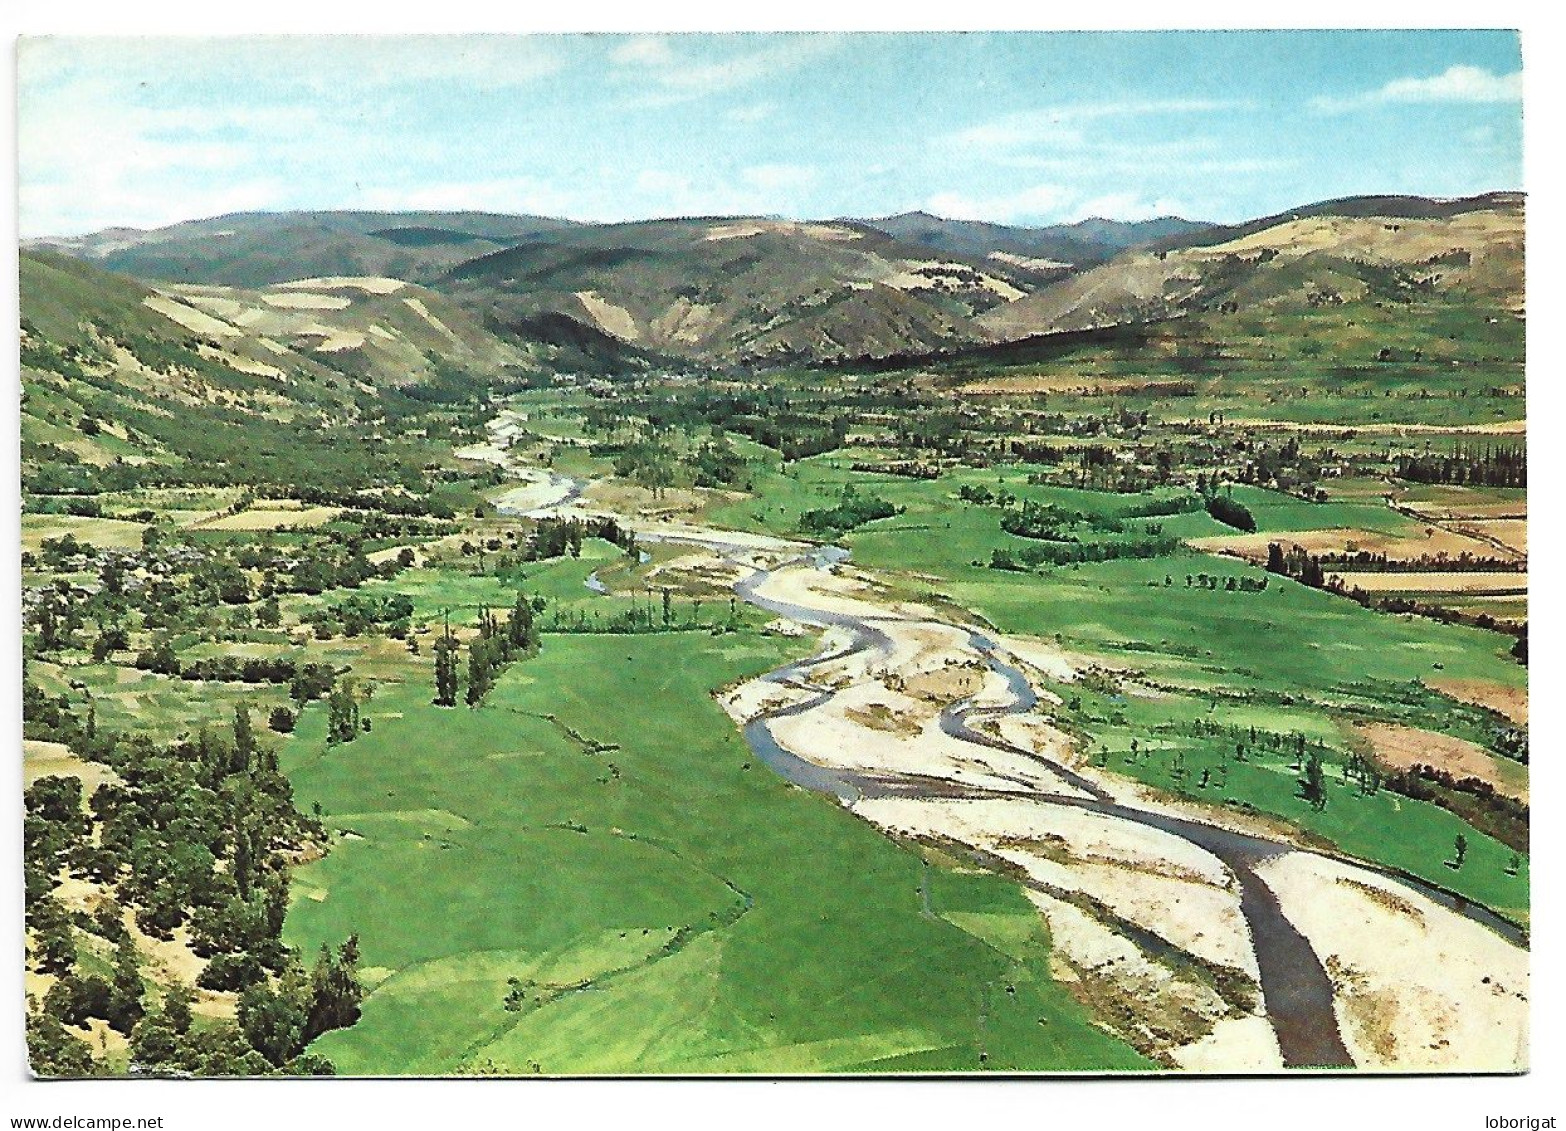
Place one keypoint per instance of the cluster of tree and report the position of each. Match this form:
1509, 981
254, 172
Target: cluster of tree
275, 1020
1074, 552
983, 495
1230, 513
57, 618
343, 720
907, 469
60, 552
648, 462
794, 423
1476, 801
83, 506
318, 570
942, 431
306, 680
1397, 603
1501, 465
496, 646
362, 613
223, 444
373, 503
1182, 503
1119, 478
1366, 561
852, 510
765, 413
715, 463
1296, 563
1028, 451
198, 833
1313, 778
798, 438
1229, 584
1048, 522
642, 618
556, 537
1286, 466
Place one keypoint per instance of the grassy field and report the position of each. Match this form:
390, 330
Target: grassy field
665, 904
1289, 637
1449, 366
1288, 659
1267, 782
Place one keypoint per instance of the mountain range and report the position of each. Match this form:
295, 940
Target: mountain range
382, 296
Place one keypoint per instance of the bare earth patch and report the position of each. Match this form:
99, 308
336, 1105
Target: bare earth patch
1401, 748
54, 759
1509, 532
272, 518
306, 301
372, 284
1504, 699
1031, 383
1432, 540
1436, 582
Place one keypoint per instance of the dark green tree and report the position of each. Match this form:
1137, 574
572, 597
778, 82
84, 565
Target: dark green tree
446, 669
273, 1021
53, 1051
54, 942
481, 671
521, 628
335, 992
154, 1044
125, 1001
177, 1000
342, 713
244, 736
1313, 782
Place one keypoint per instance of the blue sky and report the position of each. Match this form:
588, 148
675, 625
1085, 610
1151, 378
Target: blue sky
1017, 128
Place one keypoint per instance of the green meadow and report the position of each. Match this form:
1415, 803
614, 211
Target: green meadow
1289, 658
647, 897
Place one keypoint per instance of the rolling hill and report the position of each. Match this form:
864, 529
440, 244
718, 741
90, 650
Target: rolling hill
1065, 246
757, 292
121, 372
253, 249
742, 290
1359, 250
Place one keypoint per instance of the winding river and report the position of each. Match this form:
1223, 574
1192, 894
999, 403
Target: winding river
1297, 995
1296, 991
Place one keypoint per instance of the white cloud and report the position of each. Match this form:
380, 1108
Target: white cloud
1459, 83
676, 74
144, 131
647, 50
100, 201
1060, 126
779, 177
304, 64
526, 195
748, 115
1029, 203
1126, 206
1051, 204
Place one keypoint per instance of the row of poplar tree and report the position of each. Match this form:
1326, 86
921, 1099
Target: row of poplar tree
497, 644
